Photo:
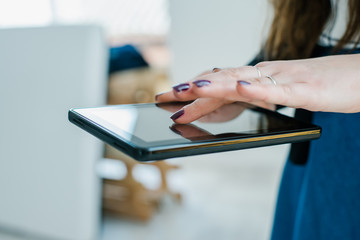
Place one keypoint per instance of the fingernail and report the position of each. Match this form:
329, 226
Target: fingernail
216, 70
181, 87
243, 82
177, 114
201, 83
158, 95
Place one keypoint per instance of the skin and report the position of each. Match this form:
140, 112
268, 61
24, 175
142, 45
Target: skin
328, 84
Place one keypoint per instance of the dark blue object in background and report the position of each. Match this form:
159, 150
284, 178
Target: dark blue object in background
125, 57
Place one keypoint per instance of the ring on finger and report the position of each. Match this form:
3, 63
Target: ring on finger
272, 79
258, 72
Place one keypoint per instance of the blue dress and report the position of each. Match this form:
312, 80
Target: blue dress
321, 198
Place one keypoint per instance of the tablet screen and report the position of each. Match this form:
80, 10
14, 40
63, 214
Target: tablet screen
152, 123
146, 131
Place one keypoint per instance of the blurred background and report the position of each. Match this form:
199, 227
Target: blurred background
57, 182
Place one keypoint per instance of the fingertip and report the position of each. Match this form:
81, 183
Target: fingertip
157, 96
177, 114
196, 110
204, 88
201, 83
182, 117
182, 87
243, 83
166, 97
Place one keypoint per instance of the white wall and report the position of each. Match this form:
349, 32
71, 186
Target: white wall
49, 188
208, 33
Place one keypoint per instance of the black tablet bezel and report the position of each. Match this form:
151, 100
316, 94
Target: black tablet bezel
159, 150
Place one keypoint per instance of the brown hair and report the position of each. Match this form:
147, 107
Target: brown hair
298, 24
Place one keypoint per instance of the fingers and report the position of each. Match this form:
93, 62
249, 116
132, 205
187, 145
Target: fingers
222, 80
211, 96
226, 89
224, 113
292, 95
165, 97
181, 92
211, 90
271, 67
196, 110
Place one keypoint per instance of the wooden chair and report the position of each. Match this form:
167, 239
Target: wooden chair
128, 197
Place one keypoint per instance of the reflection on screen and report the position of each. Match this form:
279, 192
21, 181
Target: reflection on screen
154, 124
122, 118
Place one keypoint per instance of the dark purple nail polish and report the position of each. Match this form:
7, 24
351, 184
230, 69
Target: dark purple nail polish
177, 114
181, 87
243, 82
201, 83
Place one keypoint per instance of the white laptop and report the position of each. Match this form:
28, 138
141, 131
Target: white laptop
48, 185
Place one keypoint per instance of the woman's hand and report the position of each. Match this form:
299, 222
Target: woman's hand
201, 106
330, 84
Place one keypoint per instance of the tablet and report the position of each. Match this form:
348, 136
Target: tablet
145, 132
